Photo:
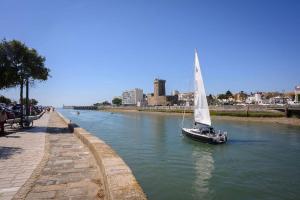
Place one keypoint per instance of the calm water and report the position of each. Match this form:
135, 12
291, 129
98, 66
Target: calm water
260, 161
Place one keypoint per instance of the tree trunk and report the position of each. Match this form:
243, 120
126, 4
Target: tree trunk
27, 97
21, 101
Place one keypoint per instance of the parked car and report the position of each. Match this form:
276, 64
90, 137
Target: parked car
2, 105
10, 114
17, 110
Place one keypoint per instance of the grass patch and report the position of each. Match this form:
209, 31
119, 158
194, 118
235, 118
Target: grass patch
225, 113
244, 113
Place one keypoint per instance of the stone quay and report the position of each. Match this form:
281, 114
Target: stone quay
59, 160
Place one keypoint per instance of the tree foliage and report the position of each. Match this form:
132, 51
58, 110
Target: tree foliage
5, 100
117, 101
227, 95
96, 104
211, 100
105, 103
19, 63
33, 102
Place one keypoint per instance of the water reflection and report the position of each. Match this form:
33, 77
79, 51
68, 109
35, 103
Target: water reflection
202, 158
245, 141
204, 166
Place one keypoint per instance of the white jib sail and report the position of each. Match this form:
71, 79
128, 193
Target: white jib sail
201, 110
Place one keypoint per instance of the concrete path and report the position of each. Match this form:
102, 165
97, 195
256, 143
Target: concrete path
48, 162
20, 154
68, 169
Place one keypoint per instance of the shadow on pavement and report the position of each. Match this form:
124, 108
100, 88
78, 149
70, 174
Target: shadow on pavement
58, 130
7, 152
52, 130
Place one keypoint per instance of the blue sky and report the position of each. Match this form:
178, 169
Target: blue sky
97, 49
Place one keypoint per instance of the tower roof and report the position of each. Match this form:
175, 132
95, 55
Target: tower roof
159, 80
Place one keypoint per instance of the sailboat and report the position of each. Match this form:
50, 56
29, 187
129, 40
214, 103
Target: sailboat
202, 129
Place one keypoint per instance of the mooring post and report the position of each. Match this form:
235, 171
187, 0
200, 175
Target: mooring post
247, 111
286, 110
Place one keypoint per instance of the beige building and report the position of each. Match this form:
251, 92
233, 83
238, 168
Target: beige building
159, 98
240, 97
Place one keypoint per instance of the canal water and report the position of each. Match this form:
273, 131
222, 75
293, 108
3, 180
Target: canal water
260, 160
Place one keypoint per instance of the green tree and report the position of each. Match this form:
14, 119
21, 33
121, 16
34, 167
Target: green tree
97, 104
117, 101
20, 65
228, 94
210, 99
31, 101
222, 96
105, 103
34, 102
5, 100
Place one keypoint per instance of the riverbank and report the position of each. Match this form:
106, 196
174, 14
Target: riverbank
267, 118
118, 180
277, 120
57, 159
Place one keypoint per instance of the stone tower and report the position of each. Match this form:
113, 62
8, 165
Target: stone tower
297, 94
159, 87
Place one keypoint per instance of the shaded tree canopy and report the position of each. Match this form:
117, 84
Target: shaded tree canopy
211, 100
31, 101
5, 100
19, 63
228, 94
105, 103
117, 101
96, 104
222, 96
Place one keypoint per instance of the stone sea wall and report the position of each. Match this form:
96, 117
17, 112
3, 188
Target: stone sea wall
119, 181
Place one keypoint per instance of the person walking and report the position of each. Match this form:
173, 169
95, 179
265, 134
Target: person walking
3, 118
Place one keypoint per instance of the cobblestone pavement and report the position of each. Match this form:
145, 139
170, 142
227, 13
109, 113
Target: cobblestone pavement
70, 170
20, 154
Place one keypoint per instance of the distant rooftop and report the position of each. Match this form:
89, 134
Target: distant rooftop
157, 79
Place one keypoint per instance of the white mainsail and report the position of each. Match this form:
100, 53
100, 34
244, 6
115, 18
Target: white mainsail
201, 110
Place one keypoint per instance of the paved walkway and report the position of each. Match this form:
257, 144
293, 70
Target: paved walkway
20, 153
64, 170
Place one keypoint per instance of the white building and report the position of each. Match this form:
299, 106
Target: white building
279, 100
132, 97
186, 98
255, 99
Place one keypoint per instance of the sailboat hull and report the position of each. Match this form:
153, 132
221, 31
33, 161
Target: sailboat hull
193, 134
